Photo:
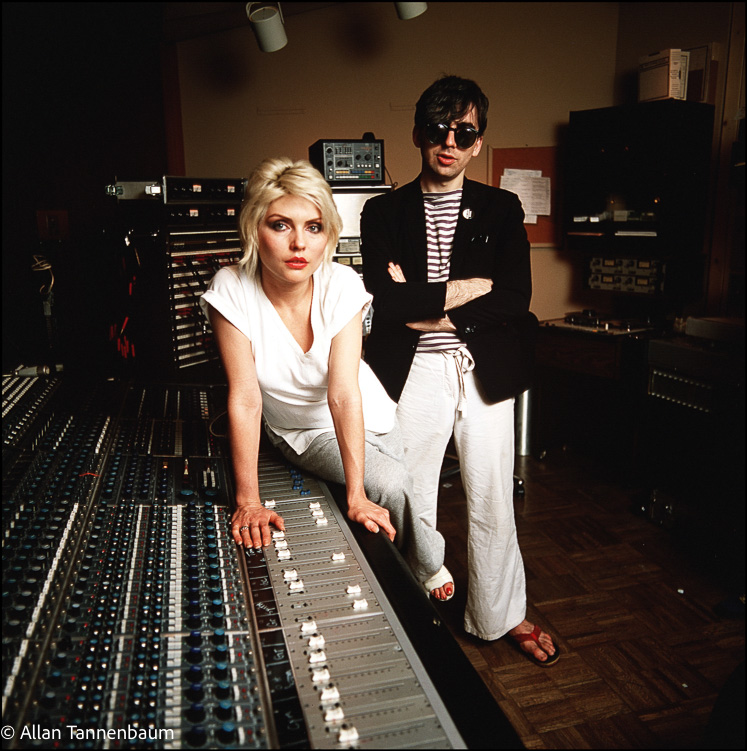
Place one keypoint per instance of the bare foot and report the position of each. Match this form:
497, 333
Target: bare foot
440, 585
443, 593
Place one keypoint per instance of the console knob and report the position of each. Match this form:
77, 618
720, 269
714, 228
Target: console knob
196, 736
224, 710
223, 689
347, 734
334, 714
317, 656
320, 675
227, 732
308, 626
195, 692
219, 636
316, 641
330, 693
196, 713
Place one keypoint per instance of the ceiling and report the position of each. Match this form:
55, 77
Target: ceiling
190, 20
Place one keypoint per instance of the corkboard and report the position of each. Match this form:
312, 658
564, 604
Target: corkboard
547, 231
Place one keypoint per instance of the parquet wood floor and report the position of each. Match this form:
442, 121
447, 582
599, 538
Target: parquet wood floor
645, 654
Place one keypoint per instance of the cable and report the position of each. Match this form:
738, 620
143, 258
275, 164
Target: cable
42, 264
213, 421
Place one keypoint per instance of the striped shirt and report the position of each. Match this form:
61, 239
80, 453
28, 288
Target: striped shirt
441, 214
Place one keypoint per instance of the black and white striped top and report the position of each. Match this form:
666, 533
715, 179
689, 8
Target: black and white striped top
441, 214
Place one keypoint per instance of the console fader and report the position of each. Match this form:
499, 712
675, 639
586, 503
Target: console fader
130, 617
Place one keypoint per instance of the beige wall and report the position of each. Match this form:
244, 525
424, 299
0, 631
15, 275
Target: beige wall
646, 27
354, 67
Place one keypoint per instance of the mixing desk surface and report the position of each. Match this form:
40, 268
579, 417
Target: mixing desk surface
131, 619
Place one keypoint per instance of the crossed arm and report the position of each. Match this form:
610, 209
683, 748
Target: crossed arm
458, 293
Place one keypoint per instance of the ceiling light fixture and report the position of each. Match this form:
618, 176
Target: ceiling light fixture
268, 26
406, 11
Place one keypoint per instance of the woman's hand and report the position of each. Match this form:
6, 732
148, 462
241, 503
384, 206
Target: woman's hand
371, 516
250, 525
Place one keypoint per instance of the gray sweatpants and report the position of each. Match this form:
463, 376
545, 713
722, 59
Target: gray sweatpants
387, 483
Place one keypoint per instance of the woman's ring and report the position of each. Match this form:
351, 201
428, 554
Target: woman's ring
242, 528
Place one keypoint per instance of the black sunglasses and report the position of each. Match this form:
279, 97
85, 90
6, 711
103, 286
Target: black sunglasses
464, 135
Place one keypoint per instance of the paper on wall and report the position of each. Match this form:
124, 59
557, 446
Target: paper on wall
533, 191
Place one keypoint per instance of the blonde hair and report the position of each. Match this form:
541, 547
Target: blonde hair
273, 179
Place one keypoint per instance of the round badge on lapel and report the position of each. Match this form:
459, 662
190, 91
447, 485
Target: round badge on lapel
467, 213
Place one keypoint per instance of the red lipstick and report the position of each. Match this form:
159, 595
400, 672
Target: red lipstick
298, 262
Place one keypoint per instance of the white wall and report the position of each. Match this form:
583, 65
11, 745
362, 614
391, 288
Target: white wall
354, 67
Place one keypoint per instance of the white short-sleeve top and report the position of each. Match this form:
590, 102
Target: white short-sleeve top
294, 383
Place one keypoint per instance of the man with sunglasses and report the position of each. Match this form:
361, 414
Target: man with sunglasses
447, 261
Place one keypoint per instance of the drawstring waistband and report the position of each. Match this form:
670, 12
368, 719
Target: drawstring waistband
464, 363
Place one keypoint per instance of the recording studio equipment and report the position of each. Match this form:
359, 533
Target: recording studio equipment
694, 440
636, 197
349, 201
635, 201
701, 370
637, 276
346, 162
591, 322
177, 233
131, 618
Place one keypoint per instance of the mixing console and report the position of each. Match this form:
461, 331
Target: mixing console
130, 617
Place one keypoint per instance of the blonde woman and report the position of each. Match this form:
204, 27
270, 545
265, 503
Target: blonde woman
287, 321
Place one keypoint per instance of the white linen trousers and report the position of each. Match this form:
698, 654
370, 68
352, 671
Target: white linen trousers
442, 396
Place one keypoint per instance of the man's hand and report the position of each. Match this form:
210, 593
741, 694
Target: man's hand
250, 525
371, 516
395, 272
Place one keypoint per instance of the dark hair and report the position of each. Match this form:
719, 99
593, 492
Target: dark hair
449, 98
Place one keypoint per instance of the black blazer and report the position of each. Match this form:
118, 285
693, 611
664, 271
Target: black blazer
490, 242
